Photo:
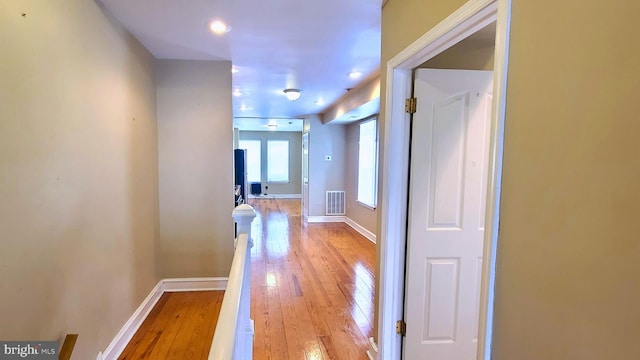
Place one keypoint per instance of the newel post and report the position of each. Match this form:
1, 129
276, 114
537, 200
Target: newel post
243, 216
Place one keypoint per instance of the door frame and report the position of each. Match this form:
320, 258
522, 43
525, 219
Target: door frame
305, 168
468, 19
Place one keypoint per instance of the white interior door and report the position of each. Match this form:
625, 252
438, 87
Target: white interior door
449, 156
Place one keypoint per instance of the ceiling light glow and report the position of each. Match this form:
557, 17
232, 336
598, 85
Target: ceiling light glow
355, 74
218, 27
237, 92
292, 94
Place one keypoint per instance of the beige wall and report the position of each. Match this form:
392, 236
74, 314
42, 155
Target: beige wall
363, 215
466, 55
568, 269
195, 141
324, 175
78, 173
569, 228
294, 186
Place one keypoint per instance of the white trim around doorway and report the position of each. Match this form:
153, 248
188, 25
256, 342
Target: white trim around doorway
468, 19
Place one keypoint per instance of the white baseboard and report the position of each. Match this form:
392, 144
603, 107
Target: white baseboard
325, 219
276, 196
372, 353
354, 225
194, 284
361, 229
132, 325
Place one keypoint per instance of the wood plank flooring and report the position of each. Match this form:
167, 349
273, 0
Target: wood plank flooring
312, 295
180, 326
312, 286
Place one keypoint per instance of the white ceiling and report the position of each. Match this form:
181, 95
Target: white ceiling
275, 44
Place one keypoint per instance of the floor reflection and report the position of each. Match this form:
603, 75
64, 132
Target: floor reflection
272, 279
312, 286
273, 227
313, 352
362, 308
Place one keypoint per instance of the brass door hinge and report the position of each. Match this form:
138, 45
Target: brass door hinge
410, 105
401, 328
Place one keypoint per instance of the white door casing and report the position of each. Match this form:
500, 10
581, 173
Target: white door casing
448, 187
305, 176
466, 20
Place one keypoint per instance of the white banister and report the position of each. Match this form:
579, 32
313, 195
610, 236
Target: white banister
233, 337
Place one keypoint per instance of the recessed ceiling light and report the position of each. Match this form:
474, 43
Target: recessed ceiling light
237, 92
355, 74
218, 27
292, 94
234, 69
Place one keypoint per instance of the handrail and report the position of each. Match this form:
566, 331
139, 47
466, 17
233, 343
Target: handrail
233, 337
67, 346
224, 337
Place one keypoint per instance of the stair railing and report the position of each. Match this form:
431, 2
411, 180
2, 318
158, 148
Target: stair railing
67, 346
233, 337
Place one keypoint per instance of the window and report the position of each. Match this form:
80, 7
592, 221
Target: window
254, 173
278, 161
368, 164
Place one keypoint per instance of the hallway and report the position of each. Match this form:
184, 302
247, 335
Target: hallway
311, 295
312, 286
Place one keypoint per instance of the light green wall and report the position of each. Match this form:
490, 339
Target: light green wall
78, 173
568, 252
195, 142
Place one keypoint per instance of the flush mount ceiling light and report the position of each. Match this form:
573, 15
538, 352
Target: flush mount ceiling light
218, 27
292, 94
355, 74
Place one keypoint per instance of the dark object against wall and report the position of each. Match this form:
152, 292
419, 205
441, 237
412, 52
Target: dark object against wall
240, 168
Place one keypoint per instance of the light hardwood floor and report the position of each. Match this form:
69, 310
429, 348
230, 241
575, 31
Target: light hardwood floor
312, 295
312, 286
180, 326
